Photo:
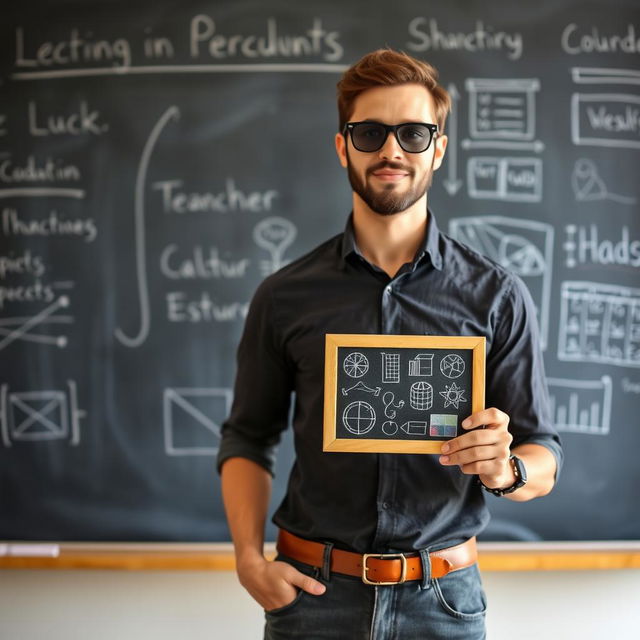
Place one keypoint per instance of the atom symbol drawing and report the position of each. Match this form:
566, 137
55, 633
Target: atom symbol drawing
452, 366
453, 395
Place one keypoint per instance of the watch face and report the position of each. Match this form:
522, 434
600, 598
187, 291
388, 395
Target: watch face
520, 471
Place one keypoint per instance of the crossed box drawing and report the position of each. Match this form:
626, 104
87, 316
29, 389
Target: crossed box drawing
192, 419
40, 415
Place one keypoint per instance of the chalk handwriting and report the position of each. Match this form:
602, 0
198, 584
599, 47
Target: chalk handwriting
82, 121
48, 170
175, 200
316, 41
575, 41
52, 225
202, 264
427, 36
583, 245
203, 309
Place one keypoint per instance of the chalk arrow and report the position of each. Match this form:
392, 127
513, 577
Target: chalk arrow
452, 184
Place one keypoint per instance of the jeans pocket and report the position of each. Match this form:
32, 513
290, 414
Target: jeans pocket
303, 568
460, 593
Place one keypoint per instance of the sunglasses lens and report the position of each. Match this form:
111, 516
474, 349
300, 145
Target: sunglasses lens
414, 138
368, 136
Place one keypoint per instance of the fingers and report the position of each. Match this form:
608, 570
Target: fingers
491, 418
306, 583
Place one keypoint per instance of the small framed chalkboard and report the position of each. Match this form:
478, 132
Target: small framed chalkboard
399, 394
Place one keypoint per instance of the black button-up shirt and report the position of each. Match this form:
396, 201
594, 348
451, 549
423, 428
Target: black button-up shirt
371, 502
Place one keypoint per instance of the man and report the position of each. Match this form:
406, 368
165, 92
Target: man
391, 272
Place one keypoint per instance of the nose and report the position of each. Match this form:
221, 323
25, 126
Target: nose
390, 149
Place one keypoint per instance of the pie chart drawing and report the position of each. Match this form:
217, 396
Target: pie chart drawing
356, 364
452, 366
358, 418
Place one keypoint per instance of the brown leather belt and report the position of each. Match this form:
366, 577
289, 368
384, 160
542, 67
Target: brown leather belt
378, 568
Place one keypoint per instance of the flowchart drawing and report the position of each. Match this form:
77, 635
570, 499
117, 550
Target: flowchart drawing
581, 406
452, 366
192, 419
421, 365
599, 323
421, 396
522, 246
453, 395
359, 417
40, 415
390, 367
512, 179
356, 364
502, 113
276, 235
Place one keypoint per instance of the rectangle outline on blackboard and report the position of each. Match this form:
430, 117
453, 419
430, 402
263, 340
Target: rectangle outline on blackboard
331, 442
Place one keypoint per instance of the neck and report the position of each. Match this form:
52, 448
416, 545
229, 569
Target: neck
389, 241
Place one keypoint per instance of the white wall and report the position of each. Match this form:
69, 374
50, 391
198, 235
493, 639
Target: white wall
118, 605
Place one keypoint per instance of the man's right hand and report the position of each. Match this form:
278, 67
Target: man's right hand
273, 584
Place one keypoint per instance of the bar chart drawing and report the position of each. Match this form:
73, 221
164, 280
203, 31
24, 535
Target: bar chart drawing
581, 406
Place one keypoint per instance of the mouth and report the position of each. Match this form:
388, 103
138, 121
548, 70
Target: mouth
389, 175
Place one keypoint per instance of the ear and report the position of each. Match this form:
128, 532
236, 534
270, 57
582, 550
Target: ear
341, 149
440, 146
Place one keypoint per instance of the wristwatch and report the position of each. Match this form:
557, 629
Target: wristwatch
521, 478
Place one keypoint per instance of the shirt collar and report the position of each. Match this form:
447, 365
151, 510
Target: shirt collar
430, 244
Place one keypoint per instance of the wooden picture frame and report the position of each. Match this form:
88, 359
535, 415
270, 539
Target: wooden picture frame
396, 404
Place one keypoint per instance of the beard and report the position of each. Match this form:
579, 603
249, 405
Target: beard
389, 200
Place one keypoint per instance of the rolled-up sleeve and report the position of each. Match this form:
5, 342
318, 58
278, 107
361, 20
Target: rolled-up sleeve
516, 382
262, 392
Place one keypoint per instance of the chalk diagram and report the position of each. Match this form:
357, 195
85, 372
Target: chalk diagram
605, 119
415, 428
421, 396
443, 425
421, 365
389, 428
581, 406
453, 395
452, 366
390, 367
275, 235
38, 416
192, 418
359, 417
355, 365
505, 178
525, 247
599, 323
173, 113
361, 386
390, 405
588, 186
22, 328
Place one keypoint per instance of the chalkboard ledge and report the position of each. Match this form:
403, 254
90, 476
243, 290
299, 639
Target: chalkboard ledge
494, 556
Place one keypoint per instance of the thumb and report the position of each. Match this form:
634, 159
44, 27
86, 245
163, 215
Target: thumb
308, 584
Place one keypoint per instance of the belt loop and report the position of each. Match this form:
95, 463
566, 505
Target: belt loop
326, 561
426, 569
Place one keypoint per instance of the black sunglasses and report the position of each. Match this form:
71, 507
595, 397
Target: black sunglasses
413, 137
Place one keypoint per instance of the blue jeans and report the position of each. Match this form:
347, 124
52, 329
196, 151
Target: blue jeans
449, 608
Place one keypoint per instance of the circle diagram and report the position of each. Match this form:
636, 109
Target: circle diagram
452, 366
358, 417
356, 364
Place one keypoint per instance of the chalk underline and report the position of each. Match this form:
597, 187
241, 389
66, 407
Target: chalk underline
202, 68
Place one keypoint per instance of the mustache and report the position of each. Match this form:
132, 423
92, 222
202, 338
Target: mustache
385, 164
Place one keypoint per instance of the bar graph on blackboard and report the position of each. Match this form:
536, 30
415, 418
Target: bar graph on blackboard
581, 406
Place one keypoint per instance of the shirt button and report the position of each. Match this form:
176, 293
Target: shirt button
388, 289
386, 505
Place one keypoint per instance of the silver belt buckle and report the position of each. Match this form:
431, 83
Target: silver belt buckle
384, 556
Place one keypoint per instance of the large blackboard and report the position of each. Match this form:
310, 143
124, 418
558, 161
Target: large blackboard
158, 159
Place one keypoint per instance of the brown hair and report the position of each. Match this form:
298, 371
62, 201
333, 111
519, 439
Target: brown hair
386, 67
